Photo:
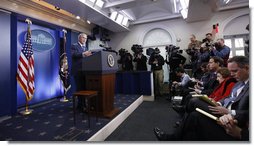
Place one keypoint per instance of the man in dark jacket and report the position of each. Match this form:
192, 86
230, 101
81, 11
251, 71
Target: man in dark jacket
79, 51
157, 61
141, 60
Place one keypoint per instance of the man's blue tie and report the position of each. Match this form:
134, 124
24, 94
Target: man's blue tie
84, 48
233, 94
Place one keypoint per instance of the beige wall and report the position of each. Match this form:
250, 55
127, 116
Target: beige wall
231, 22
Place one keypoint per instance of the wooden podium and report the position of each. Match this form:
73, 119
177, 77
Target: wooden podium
99, 70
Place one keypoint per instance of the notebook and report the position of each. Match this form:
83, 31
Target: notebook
205, 98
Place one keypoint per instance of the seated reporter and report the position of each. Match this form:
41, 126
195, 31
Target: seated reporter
184, 79
239, 96
230, 125
226, 83
203, 77
235, 105
214, 65
198, 127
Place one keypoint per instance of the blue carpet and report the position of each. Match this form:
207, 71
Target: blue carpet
54, 122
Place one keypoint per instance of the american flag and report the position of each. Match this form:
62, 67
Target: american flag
25, 73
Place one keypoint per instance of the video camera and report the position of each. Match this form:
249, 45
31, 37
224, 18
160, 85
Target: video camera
125, 59
207, 43
137, 48
216, 45
171, 49
210, 44
150, 51
122, 52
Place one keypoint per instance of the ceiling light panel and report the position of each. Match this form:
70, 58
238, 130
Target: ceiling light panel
113, 15
99, 3
125, 21
119, 18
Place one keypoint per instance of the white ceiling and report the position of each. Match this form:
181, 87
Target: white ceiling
144, 11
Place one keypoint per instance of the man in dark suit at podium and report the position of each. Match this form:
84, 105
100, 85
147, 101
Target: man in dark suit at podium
79, 51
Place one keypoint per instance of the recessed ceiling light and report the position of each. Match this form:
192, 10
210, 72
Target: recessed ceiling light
57, 8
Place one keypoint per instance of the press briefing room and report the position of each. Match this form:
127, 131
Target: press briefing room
160, 71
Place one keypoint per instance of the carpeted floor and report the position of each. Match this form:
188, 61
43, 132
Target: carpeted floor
54, 122
139, 125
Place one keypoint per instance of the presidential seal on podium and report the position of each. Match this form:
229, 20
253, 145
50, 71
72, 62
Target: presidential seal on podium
111, 60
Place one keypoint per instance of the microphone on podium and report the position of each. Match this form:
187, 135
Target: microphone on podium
109, 49
103, 46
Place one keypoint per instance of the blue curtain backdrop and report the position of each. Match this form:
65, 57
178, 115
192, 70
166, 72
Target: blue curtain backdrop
46, 58
72, 38
5, 64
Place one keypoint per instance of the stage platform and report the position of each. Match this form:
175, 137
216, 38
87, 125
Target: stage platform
53, 121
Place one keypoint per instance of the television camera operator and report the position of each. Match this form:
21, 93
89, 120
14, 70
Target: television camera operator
175, 60
139, 57
157, 61
193, 52
125, 60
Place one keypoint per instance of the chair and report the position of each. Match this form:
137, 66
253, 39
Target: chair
86, 95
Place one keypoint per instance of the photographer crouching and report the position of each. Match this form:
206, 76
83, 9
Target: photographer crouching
139, 58
157, 61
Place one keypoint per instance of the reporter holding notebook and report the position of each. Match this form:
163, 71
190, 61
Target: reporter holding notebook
196, 126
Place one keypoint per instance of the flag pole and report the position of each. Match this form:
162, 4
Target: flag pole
64, 99
27, 111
